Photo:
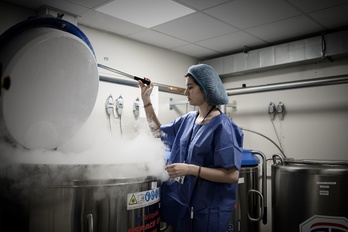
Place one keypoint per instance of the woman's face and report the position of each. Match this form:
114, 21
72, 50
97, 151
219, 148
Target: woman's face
194, 93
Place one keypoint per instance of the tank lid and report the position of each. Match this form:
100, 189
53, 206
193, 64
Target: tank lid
60, 82
249, 159
316, 162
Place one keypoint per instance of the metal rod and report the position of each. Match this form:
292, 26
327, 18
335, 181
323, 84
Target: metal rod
134, 82
289, 85
116, 71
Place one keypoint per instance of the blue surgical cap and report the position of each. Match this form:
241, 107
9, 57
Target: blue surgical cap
210, 82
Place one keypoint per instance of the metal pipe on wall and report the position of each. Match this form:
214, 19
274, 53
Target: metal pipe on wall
244, 90
289, 85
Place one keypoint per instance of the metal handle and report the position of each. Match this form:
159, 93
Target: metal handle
142, 80
164, 227
90, 222
264, 184
251, 191
124, 74
277, 159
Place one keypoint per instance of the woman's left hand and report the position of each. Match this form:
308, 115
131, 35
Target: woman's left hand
219, 175
177, 170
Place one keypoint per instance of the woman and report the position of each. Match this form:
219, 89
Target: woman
205, 156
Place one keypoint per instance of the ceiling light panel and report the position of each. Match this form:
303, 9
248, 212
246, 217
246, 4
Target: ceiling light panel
89, 3
202, 4
147, 13
197, 27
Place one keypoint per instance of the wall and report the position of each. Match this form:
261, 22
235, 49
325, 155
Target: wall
315, 125
10, 15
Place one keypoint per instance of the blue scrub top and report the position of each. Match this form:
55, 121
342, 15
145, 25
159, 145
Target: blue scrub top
217, 144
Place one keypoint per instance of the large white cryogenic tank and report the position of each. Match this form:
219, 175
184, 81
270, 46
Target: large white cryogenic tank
54, 81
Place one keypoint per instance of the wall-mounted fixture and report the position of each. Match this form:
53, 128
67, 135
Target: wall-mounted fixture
109, 105
272, 110
46, 11
114, 107
281, 110
119, 106
305, 50
136, 106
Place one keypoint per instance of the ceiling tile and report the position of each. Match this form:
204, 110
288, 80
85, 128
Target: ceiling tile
314, 5
196, 51
61, 5
285, 29
88, 3
67, 7
195, 27
232, 42
105, 22
249, 13
217, 25
157, 39
148, 13
33, 4
334, 17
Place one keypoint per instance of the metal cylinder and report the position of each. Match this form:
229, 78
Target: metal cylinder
309, 195
251, 202
50, 201
248, 180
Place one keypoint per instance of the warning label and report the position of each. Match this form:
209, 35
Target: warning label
133, 200
142, 199
151, 223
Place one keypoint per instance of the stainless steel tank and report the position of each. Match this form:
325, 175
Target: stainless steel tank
251, 205
54, 86
309, 195
47, 198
